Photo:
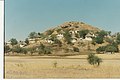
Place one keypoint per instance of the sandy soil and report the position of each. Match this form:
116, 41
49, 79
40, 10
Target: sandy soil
67, 67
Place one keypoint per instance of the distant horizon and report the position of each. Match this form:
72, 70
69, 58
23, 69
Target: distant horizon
25, 16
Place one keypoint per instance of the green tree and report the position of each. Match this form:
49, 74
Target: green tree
67, 37
92, 59
102, 33
24, 51
111, 49
83, 33
98, 40
17, 49
13, 41
43, 49
118, 39
7, 49
56, 41
32, 50
33, 35
27, 41
101, 49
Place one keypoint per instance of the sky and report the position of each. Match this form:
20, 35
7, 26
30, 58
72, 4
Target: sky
25, 16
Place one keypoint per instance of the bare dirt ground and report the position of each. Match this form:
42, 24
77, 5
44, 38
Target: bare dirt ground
67, 67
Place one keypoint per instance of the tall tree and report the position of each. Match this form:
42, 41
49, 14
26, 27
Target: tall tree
33, 35
13, 41
27, 41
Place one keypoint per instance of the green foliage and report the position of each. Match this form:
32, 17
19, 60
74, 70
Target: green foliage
75, 49
27, 41
7, 49
92, 59
83, 33
24, 50
101, 49
118, 39
56, 41
33, 35
32, 50
109, 40
102, 33
98, 40
43, 49
47, 50
111, 49
13, 41
17, 49
67, 37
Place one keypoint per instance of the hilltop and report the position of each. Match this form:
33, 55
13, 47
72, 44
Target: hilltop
68, 38
73, 25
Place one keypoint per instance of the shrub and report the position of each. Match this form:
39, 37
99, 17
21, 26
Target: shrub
83, 33
98, 40
7, 49
24, 50
13, 41
75, 49
101, 49
102, 33
67, 37
111, 49
32, 50
33, 35
27, 41
17, 49
92, 59
118, 39
44, 49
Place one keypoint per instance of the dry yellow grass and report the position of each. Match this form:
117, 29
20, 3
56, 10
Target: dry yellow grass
37, 67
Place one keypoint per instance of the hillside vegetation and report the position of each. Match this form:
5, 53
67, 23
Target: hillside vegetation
69, 38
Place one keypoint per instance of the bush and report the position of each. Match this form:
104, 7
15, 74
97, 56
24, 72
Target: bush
111, 49
118, 39
83, 33
75, 49
102, 33
17, 49
13, 41
27, 41
92, 59
7, 49
32, 50
43, 49
24, 50
101, 49
98, 40
67, 37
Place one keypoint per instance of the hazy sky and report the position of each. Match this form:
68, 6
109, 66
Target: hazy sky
25, 16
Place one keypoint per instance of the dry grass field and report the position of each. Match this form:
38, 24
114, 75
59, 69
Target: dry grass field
67, 67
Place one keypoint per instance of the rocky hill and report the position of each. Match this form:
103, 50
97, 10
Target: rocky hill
73, 25
69, 38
